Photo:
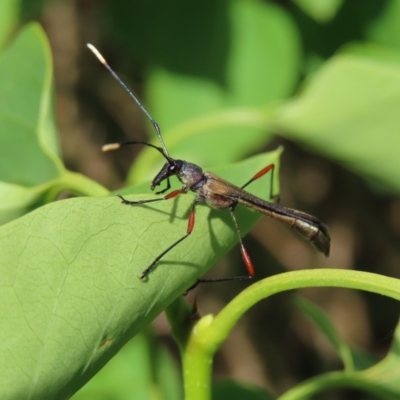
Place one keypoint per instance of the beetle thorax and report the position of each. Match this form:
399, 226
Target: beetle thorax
190, 175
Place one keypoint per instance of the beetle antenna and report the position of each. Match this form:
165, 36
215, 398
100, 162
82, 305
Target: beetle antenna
117, 146
120, 81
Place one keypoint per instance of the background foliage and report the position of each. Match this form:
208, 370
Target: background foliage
225, 80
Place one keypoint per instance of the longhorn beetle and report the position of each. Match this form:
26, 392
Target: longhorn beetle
217, 193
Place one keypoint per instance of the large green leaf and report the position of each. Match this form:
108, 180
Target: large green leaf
31, 171
70, 289
349, 111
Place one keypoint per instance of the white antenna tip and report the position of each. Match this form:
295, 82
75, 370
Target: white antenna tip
111, 146
96, 53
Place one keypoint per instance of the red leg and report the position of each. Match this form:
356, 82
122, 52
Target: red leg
245, 256
260, 174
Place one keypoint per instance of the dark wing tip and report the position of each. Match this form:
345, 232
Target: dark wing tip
322, 240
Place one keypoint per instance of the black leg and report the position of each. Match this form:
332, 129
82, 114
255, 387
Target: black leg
189, 231
167, 188
167, 197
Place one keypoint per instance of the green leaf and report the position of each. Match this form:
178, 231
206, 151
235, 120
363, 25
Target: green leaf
352, 358
385, 27
348, 111
139, 371
261, 65
70, 287
31, 172
8, 18
363, 359
317, 316
321, 11
373, 51
25, 88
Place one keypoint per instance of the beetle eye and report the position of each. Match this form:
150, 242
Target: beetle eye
172, 167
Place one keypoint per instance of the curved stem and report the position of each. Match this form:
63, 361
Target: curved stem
333, 380
197, 358
209, 333
228, 317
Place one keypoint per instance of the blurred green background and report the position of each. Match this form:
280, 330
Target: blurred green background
321, 78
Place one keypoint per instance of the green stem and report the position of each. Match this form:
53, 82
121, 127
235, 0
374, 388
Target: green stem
310, 387
229, 316
197, 357
335, 380
208, 334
